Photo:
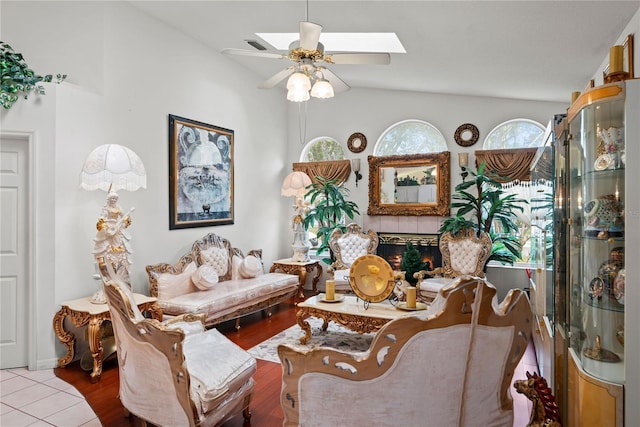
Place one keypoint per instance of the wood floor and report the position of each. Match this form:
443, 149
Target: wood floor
265, 406
255, 328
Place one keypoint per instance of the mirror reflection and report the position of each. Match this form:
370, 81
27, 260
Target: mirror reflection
409, 185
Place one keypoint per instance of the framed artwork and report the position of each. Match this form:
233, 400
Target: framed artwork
200, 174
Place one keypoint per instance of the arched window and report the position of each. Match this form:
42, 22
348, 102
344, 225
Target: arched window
410, 137
505, 139
516, 133
322, 149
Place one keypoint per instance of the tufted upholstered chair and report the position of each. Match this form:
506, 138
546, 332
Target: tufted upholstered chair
462, 254
347, 247
175, 373
450, 365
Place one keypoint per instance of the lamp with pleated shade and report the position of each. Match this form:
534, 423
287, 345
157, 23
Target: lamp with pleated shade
295, 185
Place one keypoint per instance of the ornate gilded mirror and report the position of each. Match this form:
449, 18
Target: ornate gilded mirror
415, 184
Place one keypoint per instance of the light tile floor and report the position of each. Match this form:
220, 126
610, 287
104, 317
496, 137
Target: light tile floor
39, 398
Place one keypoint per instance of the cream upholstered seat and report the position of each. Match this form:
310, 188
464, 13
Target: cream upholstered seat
347, 247
451, 365
462, 254
175, 373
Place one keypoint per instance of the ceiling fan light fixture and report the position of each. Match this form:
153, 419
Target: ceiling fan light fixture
300, 81
298, 94
322, 89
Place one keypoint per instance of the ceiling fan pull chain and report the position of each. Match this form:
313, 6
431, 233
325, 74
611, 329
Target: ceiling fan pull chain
302, 122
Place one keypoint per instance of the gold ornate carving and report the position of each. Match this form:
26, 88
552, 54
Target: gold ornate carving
378, 168
301, 271
352, 228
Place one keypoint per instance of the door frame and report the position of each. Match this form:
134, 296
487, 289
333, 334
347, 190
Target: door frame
29, 139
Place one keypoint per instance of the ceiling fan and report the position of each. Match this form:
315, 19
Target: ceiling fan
306, 76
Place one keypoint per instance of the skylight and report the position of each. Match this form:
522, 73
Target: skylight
341, 42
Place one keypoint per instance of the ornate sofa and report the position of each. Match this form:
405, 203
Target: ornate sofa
450, 365
217, 280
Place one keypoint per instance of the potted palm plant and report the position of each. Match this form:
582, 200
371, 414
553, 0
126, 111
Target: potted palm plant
329, 209
481, 202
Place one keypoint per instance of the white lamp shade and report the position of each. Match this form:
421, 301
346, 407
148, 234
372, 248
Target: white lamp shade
322, 89
113, 167
298, 81
298, 95
295, 184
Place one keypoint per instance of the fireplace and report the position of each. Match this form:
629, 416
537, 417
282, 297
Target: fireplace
392, 245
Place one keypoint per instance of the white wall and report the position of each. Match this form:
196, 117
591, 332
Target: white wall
127, 73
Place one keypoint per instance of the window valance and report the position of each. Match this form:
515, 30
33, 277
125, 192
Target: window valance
334, 169
510, 164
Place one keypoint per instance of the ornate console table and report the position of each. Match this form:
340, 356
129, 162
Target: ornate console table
300, 269
83, 312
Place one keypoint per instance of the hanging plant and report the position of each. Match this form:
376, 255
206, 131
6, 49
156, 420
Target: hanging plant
18, 80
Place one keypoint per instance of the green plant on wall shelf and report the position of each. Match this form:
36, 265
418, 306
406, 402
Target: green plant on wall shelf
18, 80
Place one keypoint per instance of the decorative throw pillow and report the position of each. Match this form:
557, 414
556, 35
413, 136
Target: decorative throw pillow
250, 267
205, 277
218, 258
245, 268
172, 285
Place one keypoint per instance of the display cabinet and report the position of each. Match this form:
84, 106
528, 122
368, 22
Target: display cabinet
600, 158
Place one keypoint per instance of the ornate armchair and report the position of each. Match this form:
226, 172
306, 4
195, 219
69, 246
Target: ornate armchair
451, 365
175, 372
462, 254
347, 247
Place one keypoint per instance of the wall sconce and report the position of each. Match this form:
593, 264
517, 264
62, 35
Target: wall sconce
355, 165
463, 162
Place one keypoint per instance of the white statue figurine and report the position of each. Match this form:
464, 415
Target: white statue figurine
112, 240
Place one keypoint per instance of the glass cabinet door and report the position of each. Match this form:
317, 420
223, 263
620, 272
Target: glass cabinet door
596, 189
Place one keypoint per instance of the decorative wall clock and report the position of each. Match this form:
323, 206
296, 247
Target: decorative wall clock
466, 135
357, 142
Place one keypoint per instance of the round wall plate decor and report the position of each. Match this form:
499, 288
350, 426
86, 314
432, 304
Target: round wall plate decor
357, 142
466, 135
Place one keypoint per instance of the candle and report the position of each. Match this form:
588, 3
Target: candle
574, 96
463, 159
330, 290
411, 297
615, 59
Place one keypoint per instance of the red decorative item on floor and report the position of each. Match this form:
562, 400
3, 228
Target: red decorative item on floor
545, 412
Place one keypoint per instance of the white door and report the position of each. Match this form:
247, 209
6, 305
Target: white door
14, 177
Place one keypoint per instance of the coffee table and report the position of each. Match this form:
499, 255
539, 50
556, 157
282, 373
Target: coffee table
350, 313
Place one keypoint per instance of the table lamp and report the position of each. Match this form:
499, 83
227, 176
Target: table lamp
112, 167
295, 185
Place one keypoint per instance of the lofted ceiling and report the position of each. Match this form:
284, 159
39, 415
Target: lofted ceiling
530, 50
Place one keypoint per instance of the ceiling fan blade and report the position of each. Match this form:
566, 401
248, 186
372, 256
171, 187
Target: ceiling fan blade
276, 78
359, 58
336, 82
309, 35
262, 54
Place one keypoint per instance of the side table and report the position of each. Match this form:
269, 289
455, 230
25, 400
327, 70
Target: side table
83, 312
300, 269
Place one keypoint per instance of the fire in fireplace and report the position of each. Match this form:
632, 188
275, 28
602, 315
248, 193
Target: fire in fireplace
391, 246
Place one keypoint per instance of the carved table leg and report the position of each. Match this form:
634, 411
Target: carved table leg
303, 279
95, 347
306, 327
316, 278
65, 337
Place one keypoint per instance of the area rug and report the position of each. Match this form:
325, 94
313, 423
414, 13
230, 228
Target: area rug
336, 336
